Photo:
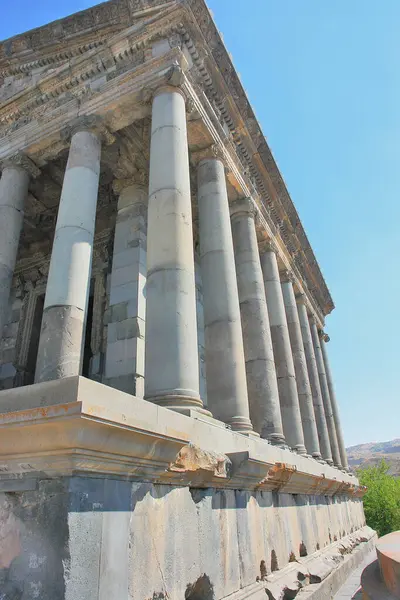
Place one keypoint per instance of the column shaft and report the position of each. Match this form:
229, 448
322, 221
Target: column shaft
289, 401
322, 429
335, 409
65, 307
225, 367
262, 384
325, 393
300, 366
13, 193
171, 354
127, 311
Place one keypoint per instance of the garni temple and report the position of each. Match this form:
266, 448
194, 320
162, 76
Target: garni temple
169, 427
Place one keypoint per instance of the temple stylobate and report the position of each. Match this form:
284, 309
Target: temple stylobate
162, 317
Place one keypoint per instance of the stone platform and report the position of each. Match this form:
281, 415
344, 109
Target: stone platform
104, 495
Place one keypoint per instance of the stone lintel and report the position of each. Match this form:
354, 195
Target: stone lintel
60, 427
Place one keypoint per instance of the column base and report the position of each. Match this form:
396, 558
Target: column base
180, 403
300, 449
316, 455
329, 461
242, 425
276, 439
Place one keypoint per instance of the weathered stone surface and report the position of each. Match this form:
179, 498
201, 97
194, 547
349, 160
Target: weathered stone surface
289, 401
226, 373
262, 383
300, 367
172, 377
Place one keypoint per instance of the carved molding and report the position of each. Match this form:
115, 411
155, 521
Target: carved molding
268, 246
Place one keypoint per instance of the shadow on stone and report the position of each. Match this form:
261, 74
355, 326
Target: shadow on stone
201, 589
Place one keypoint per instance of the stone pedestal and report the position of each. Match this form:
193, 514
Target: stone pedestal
300, 366
335, 406
171, 354
226, 374
124, 368
13, 193
64, 316
312, 369
325, 393
262, 384
289, 401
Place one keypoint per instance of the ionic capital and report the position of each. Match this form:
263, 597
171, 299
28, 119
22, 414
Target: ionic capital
139, 178
213, 152
244, 207
287, 276
92, 123
173, 82
301, 298
267, 246
21, 161
324, 336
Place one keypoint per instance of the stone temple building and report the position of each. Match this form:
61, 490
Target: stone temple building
168, 421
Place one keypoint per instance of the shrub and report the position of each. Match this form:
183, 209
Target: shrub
382, 500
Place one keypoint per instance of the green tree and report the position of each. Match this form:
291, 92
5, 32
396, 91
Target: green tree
382, 500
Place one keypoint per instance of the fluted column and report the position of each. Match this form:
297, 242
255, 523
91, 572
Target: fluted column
322, 429
289, 401
262, 384
325, 393
225, 367
335, 406
171, 354
13, 194
300, 366
60, 351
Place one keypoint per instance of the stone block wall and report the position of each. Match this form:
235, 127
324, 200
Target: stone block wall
8, 344
89, 538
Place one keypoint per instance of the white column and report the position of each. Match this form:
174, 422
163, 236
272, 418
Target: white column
325, 392
225, 367
319, 411
262, 386
65, 305
289, 401
171, 354
124, 369
300, 366
13, 194
335, 406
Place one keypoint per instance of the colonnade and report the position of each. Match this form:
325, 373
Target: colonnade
266, 361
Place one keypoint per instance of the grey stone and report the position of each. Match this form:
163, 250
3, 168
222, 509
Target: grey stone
172, 376
226, 373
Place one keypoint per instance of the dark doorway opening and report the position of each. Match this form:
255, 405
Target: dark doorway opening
87, 350
29, 377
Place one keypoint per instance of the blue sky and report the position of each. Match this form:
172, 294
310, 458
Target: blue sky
324, 80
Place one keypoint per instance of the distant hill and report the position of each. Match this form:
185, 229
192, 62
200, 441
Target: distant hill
372, 453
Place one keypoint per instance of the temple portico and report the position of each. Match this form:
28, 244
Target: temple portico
260, 371
148, 253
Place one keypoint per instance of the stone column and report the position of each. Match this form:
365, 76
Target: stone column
319, 411
262, 384
13, 194
65, 306
325, 392
300, 367
171, 354
127, 310
289, 401
335, 407
226, 373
